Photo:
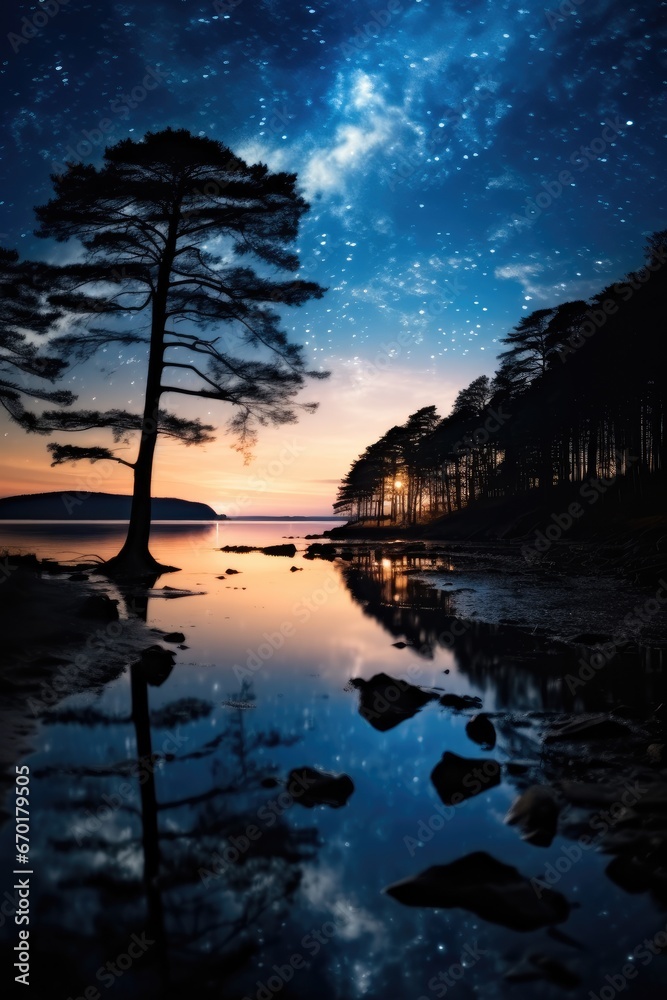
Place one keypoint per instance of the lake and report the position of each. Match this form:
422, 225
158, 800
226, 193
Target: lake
252, 892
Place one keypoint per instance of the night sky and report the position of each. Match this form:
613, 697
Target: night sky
466, 163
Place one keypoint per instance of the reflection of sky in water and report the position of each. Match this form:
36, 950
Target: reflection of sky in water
303, 715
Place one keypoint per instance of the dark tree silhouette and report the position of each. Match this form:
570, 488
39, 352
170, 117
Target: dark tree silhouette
579, 393
24, 369
162, 224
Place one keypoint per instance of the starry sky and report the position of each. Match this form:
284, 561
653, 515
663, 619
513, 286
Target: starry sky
466, 163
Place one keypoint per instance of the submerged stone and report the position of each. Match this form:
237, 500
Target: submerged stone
311, 787
485, 886
481, 730
593, 727
173, 637
536, 813
460, 701
457, 778
539, 966
156, 664
99, 607
279, 550
387, 701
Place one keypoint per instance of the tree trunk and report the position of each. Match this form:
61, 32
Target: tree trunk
135, 559
150, 836
592, 452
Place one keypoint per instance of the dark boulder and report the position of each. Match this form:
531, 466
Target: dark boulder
481, 730
485, 886
457, 778
387, 701
460, 701
536, 814
310, 787
173, 637
155, 665
99, 607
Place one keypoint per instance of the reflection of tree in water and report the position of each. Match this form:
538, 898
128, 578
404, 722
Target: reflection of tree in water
403, 604
521, 670
141, 869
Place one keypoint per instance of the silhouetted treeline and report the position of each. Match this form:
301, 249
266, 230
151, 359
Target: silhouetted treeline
579, 394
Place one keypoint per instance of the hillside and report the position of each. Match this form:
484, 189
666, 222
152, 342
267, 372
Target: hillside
65, 506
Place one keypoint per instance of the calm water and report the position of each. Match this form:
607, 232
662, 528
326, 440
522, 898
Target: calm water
269, 659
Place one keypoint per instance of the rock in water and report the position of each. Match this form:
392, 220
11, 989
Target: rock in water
460, 701
457, 778
631, 875
319, 551
592, 727
173, 637
319, 788
99, 607
279, 550
538, 965
485, 886
156, 664
481, 730
591, 639
536, 813
387, 701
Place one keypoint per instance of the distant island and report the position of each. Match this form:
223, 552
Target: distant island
66, 506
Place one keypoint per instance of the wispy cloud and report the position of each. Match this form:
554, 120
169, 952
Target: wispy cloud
378, 125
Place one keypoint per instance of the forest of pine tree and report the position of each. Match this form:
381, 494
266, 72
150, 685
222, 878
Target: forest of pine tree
579, 393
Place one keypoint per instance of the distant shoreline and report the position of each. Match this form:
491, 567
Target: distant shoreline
163, 520
60, 506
